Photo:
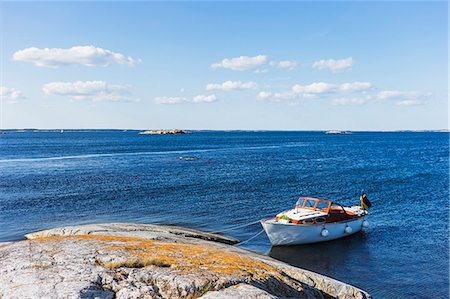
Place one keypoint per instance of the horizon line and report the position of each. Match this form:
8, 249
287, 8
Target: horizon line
228, 130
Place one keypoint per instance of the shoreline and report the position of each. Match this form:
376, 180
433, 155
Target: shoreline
261, 273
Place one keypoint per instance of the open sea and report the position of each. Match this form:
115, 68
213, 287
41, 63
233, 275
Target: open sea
51, 179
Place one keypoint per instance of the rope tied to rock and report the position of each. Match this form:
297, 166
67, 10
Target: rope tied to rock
235, 227
248, 240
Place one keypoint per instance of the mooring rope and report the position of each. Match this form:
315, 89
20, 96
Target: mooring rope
248, 240
235, 227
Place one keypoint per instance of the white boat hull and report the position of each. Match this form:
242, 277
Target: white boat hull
296, 234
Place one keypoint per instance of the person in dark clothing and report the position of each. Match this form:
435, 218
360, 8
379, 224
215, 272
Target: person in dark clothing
364, 201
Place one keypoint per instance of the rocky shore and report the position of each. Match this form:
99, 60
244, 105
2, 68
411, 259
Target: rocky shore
121, 260
164, 132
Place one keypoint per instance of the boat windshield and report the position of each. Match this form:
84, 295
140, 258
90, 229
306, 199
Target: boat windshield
314, 204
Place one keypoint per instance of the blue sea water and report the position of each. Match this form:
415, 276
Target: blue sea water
52, 179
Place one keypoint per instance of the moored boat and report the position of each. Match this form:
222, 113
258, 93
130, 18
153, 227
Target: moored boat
315, 220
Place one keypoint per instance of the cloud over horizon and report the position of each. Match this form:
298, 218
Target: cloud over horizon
241, 63
95, 91
204, 98
349, 101
284, 64
335, 65
170, 100
78, 55
404, 98
315, 89
174, 100
232, 85
345, 94
10, 95
409, 103
244, 63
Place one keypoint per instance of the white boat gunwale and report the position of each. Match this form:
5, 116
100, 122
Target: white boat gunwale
310, 224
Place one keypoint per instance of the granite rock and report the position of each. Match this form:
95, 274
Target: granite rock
122, 260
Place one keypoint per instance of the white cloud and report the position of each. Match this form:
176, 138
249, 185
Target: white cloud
344, 94
323, 87
409, 103
241, 63
205, 98
389, 94
232, 85
263, 95
78, 55
95, 91
404, 98
180, 100
10, 95
260, 71
282, 96
73, 88
314, 88
284, 64
256, 63
349, 102
396, 94
355, 86
170, 100
276, 96
334, 65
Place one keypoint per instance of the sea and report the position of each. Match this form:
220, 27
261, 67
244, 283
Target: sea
214, 180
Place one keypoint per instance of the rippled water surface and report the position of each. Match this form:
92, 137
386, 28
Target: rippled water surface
53, 179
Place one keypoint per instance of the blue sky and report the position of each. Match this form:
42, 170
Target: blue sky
225, 65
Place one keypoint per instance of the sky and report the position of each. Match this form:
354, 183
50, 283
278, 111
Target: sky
224, 65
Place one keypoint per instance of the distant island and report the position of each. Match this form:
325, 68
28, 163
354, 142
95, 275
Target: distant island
164, 132
336, 132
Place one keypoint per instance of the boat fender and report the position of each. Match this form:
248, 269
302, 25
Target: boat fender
348, 230
324, 232
365, 223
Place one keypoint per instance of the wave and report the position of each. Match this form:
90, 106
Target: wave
89, 156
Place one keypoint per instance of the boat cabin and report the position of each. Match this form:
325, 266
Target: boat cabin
310, 210
313, 204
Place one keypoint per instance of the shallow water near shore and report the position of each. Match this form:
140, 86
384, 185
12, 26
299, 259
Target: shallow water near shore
213, 180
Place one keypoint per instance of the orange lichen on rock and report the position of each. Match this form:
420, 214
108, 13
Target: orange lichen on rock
188, 258
191, 258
